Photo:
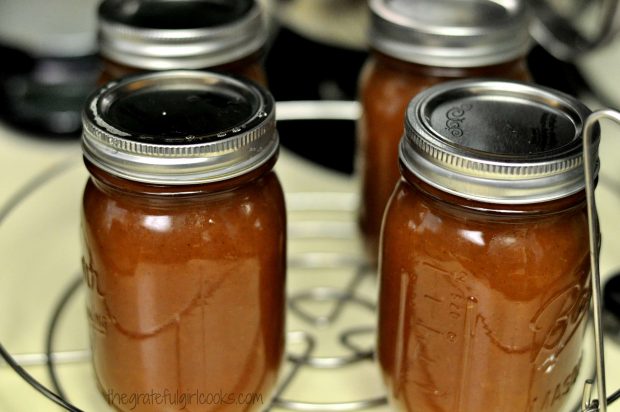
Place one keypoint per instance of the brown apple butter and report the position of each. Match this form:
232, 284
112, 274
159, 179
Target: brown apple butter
183, 226
155, 35
414, 46
484, 262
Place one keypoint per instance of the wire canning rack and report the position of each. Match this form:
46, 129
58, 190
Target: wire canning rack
331, 301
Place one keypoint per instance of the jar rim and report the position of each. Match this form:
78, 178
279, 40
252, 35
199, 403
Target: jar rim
496, 141
236, 149
476, 34
182, 48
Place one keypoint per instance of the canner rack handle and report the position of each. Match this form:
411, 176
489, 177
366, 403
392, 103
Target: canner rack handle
590, 164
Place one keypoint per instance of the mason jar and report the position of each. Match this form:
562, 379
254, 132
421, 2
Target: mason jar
184, 241
484, 262
415, 45
153, 35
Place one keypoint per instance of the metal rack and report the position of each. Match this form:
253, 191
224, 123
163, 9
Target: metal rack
324, 237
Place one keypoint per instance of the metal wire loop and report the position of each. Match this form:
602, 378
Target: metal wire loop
589, 162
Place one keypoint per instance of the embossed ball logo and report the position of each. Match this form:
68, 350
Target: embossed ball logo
455, 118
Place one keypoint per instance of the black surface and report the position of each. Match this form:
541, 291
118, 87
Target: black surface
45, 96
330, 143
302, 69
611, 297
551, 72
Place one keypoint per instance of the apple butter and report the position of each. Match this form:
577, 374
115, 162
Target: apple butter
183, 228
158, 35
484, 257
414, 46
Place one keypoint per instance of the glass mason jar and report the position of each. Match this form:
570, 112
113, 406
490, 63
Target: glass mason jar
414, 46
183, 227
154, 35
484, 262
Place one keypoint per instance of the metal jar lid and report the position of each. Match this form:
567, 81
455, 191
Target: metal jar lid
448, 33
496, 141
179, 127
179, 34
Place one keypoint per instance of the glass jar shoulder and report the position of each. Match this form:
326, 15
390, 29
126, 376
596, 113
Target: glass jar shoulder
518, 251
384, 80
385, 74
179, 226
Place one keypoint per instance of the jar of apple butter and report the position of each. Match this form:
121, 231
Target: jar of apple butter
183, 228
416, 45
152, 35
484, 261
